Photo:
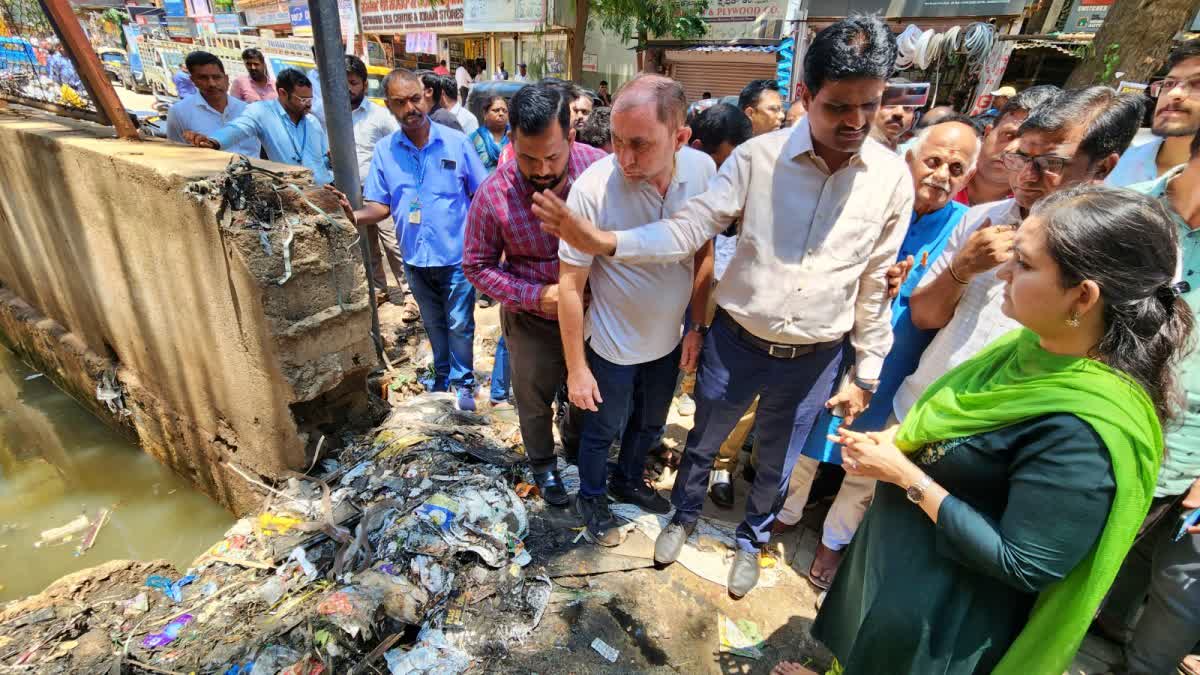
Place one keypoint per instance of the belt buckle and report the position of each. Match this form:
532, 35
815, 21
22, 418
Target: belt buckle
789, 350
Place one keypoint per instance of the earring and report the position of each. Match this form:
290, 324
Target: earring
1073, 322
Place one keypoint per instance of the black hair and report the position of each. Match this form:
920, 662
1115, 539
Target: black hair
570, 90
857, 46
707, 94
431, 80
355, 66
290, 78
199, 58
253, 53
719, 124
1126, 243
597, 128
1111, 120
442, 62
960, 119
449, 87
603, 83
1186, 50
1028, 100
752, 93
536, 106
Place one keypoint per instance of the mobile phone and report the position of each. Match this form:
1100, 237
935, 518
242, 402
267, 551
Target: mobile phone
1188, 519
915, 94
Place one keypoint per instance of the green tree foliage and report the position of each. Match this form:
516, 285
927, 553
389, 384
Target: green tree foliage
643, 19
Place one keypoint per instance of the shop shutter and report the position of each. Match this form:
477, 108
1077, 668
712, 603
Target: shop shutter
722, 79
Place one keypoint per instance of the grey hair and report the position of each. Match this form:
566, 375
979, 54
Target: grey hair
668, 96
1127, 244
923, 134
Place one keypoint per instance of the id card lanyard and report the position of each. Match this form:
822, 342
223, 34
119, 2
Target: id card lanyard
414, 207
303, 140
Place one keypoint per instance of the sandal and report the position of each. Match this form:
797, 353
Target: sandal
822, 577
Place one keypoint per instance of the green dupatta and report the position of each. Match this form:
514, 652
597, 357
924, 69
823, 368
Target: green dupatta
1014, 379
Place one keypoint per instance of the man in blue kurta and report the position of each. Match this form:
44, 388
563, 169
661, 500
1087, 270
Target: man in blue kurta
424, 177
941, 162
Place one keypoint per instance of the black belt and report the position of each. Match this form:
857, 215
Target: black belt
774, 349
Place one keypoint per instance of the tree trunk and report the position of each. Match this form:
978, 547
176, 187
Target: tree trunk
1142, 31
651, 58
579, 40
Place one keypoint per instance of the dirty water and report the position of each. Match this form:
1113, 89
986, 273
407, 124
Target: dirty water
57, 463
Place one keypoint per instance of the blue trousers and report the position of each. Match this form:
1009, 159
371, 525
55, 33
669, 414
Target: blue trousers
447, 302
501, 375
792, 392
640, 393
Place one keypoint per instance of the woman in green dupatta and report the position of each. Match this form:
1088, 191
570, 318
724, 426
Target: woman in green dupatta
1014, 488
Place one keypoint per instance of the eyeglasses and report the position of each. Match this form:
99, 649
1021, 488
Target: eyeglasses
1190, 88
303, 99
1050, 165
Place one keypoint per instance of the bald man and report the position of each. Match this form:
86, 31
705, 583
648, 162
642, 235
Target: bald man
941, 161
628, 366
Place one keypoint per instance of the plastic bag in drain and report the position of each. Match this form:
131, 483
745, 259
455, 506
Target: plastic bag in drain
432, 655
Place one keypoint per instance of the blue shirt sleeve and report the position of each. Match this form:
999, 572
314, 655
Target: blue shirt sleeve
375, 187
175, 125
243, 126
474, 172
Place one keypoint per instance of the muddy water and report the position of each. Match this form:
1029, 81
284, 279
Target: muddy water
58, 462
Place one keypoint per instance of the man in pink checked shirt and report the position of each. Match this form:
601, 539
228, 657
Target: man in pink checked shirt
500, 224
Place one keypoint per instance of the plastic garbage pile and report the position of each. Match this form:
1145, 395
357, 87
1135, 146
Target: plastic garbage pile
406, 554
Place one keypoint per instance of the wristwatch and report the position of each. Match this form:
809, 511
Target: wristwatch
866, 385
701, 328
916, 491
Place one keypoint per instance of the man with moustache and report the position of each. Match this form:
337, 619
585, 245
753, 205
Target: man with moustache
507, 256
763, 105
288, 131
893, 121
210, 108
256, 84
941, 161
1075, 137
1176, 120
826, 208
423, 177
990, 182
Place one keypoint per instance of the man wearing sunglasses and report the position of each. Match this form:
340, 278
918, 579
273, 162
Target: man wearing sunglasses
288, 131
1176, 120
1074, 138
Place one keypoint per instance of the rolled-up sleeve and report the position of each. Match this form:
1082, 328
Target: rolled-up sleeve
703, 217
1060, 493
872, 333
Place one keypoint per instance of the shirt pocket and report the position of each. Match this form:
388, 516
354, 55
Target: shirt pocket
851, 238
442, 180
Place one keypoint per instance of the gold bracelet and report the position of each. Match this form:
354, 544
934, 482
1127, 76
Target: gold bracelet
955, 275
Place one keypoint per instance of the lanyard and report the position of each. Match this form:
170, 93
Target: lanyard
418, 158
303, 139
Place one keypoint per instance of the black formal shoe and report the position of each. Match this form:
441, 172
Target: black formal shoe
749, 473
551, 486
600, 525
670, 542
642, 495
722, 494
744, 574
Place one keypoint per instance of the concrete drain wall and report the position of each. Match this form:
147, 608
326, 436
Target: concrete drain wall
169, 323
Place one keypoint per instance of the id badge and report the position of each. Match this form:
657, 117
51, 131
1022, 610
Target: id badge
414, 214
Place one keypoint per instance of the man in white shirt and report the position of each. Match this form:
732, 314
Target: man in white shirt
210, 107
823, 210
522, 75
450, 102
464, 77
622, 364
1073, 138
1176, 120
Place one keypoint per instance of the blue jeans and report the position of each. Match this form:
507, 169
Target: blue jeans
501, 375
792, 392
640, 393
447, 302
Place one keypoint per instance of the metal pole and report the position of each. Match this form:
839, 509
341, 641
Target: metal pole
87, 64
335, 93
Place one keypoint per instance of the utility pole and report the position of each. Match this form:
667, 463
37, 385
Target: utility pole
335, 93
87, 64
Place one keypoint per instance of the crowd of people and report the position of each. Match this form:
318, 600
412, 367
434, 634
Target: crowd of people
984, 321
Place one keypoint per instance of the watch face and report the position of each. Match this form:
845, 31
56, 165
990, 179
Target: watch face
915, 494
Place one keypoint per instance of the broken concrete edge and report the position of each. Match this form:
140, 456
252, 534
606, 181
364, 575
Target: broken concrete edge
128, 275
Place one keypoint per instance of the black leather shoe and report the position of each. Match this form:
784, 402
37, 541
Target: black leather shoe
670, 542
600, 525
743, 576
749, 473
722, 494
551, 486
643, 495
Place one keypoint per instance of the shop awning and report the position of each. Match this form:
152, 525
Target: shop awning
1063, 47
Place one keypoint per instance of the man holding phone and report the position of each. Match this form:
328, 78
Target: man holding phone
895, 117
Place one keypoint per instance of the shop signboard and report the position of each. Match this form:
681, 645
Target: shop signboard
916, 8
175, 7
228, 23
299, 17
990, 75
733, 19
420, 43
270, 15
403, 16
132, 33
591, 63
1086, 16
349, 20
503, 16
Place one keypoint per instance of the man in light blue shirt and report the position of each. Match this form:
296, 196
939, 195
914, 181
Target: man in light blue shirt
424, 177
1176, 120
183, 82
211, 108
287, 131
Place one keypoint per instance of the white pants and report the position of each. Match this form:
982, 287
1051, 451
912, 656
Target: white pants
848, 508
